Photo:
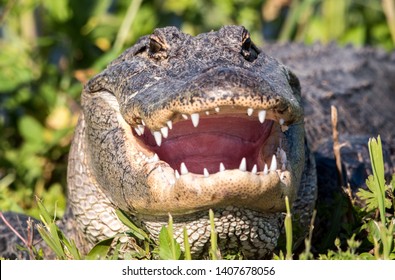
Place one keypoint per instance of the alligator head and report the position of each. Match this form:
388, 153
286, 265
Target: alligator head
180, 124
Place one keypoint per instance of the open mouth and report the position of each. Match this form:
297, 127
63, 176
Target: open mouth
179, 161
214, 141
205, 147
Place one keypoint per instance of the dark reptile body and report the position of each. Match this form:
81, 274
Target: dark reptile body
356, 81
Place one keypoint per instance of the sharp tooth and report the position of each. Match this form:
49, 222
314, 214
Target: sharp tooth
137, 131
207, 113
216, 109
158, 137
141, 128
177, 174
183, 169
281, 121
165, 131
205, 172
254, 169
243, 164
265, 171
262, 116
155, 158
143, 122
250, 111
273, 165
169, 124
195, 119
221, 167
184, 116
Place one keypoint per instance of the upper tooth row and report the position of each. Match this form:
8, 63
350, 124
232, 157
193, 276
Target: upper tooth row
164, 131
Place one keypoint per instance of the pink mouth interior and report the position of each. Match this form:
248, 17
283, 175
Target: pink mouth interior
215, 140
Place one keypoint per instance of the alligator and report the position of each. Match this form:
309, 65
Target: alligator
181, 124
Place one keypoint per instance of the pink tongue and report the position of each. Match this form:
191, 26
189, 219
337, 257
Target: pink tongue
215, 140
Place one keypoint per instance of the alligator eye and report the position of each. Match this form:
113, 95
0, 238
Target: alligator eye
157, 48
248, 50
246, 44
154, 46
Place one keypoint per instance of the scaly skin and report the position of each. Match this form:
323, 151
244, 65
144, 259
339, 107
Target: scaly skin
159, 121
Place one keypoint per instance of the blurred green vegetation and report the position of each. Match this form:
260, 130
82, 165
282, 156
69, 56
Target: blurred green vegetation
49, 49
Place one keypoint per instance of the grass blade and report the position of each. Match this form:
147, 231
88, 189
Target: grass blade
187, 246
377, 162
288, 230
214, 252
100, 250
137, 232
47, 237
169, 249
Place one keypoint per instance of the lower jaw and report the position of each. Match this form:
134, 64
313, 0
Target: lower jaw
191, 193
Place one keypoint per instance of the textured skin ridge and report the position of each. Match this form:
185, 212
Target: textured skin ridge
169, 73
93, 213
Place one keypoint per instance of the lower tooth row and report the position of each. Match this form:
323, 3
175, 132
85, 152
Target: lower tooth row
242, 166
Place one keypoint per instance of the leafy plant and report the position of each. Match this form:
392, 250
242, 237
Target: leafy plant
63, 247
379, 197
169, 248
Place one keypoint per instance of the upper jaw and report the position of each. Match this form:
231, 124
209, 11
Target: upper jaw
219, 90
